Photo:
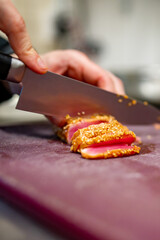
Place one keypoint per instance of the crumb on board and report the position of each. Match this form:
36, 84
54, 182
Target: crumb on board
138, 140
125, 96
149, 137
157, 126
145, 103
129, 104
134, 102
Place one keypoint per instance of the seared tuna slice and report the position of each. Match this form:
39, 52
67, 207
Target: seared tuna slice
109, 151
76, 123
101, 135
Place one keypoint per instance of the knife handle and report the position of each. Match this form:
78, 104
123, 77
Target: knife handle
11, 69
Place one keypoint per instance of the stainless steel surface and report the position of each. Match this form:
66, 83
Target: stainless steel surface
143, 83
149, 83
16, 71
57, 96
11, 116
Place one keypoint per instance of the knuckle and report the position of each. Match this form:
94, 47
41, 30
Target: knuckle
18, 24
76, 53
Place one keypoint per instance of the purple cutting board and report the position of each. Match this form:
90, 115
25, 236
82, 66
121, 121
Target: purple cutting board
115, 199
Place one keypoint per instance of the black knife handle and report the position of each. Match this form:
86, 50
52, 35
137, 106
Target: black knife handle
5, 64
11, 69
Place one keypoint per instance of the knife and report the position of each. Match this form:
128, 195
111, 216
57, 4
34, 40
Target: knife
56, 95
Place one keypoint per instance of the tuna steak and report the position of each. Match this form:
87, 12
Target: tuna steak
104, 140
98, 136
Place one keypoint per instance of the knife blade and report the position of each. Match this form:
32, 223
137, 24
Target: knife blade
56, 95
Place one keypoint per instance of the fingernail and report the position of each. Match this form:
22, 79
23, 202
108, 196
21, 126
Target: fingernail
42, 64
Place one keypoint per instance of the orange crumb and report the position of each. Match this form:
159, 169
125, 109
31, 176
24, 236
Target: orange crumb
134, 102
157, 126
145, 103
130, 104
125, 96
149, 137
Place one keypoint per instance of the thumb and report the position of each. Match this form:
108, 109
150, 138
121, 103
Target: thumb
14, 26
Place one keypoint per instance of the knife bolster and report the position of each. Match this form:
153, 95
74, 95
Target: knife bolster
16, 71
11, 69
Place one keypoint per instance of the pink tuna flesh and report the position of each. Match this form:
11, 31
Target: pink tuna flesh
81, 125
125, 139
102, 149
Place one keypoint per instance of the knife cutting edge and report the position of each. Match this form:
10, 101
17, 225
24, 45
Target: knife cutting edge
56, 95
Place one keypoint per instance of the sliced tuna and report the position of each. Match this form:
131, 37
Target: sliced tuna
102, 134
109, 151
98, 136
74, 124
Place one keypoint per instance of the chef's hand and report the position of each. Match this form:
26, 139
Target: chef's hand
13, 25
77, 65
70, 62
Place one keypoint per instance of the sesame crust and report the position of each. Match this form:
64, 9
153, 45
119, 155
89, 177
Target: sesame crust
73, 120
70, 121
99, 133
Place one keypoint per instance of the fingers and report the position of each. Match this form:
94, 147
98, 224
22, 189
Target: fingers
93, 74
13, 25
118, 84
56, 61
76, 65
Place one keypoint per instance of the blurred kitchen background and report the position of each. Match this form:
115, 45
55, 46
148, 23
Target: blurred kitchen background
122, 36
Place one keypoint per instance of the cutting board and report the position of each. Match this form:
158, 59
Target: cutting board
114, 199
